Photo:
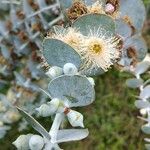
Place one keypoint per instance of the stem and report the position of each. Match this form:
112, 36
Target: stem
55, 127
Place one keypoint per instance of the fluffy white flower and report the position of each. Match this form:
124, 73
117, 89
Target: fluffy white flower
96, 50
71, 36
99, 50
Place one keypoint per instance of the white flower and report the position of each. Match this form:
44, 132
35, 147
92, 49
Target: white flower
99, 50
70, 36
96, 50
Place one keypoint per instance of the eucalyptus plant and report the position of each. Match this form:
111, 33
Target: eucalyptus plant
93, 37
22, 25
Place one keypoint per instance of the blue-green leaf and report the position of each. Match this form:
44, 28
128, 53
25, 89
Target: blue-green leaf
76, 90
58, 53
146, 128
134, 83
97, 23
138, 44
136, 12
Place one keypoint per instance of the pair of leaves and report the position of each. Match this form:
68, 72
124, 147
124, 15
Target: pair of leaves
63, 135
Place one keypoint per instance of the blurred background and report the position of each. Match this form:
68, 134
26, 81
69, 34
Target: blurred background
111, 119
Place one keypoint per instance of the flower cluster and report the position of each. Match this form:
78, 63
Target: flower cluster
96, 49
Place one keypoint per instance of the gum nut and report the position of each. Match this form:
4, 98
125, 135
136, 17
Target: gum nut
91, 80
75, 118
54, 72
22, 142
36, 142
45, 110
70, 69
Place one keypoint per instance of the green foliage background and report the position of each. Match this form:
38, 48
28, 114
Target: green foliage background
111, 119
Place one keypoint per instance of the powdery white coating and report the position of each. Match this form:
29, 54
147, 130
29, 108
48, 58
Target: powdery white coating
56, 105
70, 69
36, 142
45, 110
22, 142
75, 118
54, 72
91, 80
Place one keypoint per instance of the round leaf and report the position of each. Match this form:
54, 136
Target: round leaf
146, 128
123, 29
142, 104
134, 83
77, 90
96, 23
142, 67
145, 92
135, 10
58, 53
138, 44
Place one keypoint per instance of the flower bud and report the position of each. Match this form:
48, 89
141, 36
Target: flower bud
109, 8
45, 110
22, 142
56, 105
143, 111
91, 80
36, 142
54, 72
70, 69
75, 118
